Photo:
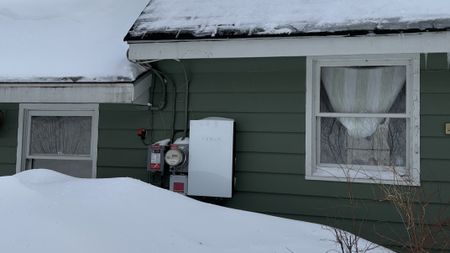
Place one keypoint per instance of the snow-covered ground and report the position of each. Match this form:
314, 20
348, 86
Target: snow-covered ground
43, 211
66, 40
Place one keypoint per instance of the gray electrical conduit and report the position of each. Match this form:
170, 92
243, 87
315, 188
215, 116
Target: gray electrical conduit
161, 75
164, 78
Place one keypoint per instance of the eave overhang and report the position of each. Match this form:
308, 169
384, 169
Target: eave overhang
135, 92
420, 42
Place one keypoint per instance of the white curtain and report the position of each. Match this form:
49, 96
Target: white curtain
60, 135
362, 90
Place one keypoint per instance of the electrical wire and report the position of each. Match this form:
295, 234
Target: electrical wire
169, 81
164, 79
186, 100
174, 106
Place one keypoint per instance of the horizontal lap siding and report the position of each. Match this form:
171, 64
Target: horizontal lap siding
120, 151
435, 145
8, 139
266, 101
266, 97
435, 112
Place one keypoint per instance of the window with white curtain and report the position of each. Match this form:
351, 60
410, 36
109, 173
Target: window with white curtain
362, 119
61, 137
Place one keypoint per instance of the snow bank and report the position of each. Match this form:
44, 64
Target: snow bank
44, 211
205, 18
66, 40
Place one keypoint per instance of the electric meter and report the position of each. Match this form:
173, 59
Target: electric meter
174, 157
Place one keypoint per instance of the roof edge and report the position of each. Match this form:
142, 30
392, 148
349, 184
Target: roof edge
392, 26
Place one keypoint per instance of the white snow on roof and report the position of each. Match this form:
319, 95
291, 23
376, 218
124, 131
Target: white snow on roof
54, 40
44, 211
282, 16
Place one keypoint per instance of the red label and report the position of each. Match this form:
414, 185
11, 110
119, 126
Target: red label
178, 187
155, 166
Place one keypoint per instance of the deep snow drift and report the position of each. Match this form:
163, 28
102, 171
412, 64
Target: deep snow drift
66, 40
44, 211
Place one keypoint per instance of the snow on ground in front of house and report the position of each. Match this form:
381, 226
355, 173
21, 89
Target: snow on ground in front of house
285, 16
43, 211
65, 40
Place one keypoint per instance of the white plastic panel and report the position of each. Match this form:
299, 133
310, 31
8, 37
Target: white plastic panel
211, 157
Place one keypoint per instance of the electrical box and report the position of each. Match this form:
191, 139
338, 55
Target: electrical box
155, 160
211, 157
178, 183
177, 156
447, 128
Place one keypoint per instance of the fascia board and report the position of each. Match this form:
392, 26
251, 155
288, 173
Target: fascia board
67, 92
424, 42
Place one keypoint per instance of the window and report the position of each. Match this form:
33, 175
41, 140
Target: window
61, 137
362, 119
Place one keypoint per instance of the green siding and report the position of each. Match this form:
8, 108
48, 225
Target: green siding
120, 151
8, 139
435, 61
266, 97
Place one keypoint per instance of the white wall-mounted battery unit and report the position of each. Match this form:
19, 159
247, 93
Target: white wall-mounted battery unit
211, 157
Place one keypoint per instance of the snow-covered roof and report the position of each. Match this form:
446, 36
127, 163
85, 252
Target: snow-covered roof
66, 40
184, 19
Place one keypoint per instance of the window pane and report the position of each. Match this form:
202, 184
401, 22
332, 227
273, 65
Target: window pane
60, 135
385, 147
68, 167
374, 89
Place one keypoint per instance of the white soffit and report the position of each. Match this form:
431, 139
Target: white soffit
66, 93
426, 42
53, 92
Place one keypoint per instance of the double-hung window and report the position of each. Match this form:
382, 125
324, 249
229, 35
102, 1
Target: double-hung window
362, 119
61, 137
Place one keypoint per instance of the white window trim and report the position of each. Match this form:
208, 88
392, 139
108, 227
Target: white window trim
412, 114
28, 110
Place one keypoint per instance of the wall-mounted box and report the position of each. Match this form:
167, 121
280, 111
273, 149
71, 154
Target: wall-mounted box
447, 128
211, 157
178, 183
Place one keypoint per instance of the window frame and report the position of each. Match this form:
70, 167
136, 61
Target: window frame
368, 174
26, 111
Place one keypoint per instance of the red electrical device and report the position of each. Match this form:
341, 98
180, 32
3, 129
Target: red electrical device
141, 132
155, 160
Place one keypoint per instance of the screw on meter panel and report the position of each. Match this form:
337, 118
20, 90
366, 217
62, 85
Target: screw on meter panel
174, 157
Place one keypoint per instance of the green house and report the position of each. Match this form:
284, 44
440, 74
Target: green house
339, 115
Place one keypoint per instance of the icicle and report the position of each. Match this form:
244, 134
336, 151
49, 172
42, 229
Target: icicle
448, 60
425, 58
